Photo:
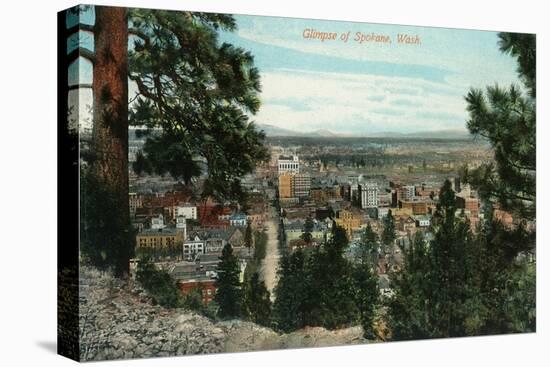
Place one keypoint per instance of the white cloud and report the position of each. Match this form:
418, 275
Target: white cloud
305, 101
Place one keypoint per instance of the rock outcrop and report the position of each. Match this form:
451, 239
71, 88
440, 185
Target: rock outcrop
119, 321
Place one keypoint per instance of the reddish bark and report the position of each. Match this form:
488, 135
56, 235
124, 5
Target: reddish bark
110, 113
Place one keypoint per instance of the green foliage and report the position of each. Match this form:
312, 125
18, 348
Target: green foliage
369, 247
388, 233
107, 241
506, 117
408, 309
193, 300
159, 284
172, 251
320, 287
308, 228
330, 300
289, 307
228, 294
248, 240
365, 295
260, 246
463, 283
195, 94
522, 46
256, 305
448, 255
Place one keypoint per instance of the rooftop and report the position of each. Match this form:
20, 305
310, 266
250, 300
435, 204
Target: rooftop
166, 231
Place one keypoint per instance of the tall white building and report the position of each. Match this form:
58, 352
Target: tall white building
289, 164
187, 211
369, 195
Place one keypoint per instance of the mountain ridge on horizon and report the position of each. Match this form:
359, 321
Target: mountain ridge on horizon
275, 131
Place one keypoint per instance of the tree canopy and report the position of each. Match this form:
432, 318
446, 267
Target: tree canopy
195, 96
228, 293
506, 117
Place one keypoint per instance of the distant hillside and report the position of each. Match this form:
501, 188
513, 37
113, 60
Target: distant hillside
274, 131
271, 130
436, 134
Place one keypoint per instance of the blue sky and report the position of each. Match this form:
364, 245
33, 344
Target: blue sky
347, 87
368, 88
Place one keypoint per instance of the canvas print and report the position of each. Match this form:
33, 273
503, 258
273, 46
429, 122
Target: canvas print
232, 183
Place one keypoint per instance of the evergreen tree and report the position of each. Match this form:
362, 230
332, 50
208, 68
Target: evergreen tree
408, 316
462, 283
260, 245
256, 304
106, 231
368, 248
193, 101
159, 284
467, 283
308, 228
448, 276
330, 293
228, 293
365, 292
388, 233
507, 119
290, 292
499, 280
200, 93
248, 241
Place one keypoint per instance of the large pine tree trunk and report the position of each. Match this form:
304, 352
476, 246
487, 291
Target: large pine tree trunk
110, 133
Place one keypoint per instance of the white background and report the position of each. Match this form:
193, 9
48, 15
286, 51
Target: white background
28, 182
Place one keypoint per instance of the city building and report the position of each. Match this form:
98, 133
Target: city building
134, 201
181, 225
294, 230
294, 185
301, 184
206, 286
139, 224
418, 207
158, 222
422, 221
200, 275
348, 221
401, 212
470, 204
369, 195
187, 211
193, 247
238, 220
289, 164
285, 186
216, 238
159, 238
405, 192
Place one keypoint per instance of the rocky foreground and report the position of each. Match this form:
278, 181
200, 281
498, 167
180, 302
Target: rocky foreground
119, 321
